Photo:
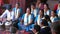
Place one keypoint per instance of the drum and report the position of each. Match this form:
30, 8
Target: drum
2, 26
8, 25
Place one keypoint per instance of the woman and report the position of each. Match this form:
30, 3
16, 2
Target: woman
45, 29
53, 17
17, 11
47, 11
27, 20
58, 10
48, 20
39, 17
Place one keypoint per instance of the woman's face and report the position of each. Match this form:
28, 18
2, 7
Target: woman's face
45, 7
40, 5
52, 13
32, 7
28, 11
59, 4
16, 6
40, 12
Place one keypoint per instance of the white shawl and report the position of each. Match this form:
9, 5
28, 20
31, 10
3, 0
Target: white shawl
25, 19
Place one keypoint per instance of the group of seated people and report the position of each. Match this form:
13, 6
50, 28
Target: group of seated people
38, 19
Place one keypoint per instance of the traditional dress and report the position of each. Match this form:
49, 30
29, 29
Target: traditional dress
26, 21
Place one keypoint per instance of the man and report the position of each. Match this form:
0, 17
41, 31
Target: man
36, 29
55, 28
8, 14
45, 29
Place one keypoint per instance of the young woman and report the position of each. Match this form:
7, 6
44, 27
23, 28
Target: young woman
58, 10
39, 17
17, 11
48, 20
53, 17
27, 20
47, 11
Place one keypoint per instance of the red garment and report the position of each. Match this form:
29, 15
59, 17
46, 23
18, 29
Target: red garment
55, 7
24, 32
1, 2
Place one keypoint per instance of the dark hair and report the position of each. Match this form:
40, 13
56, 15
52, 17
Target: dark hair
47, 5
55, 13
44, 22
42, 11
59, 1
47, 17
37, 28
56, 27
29, 8
18, 4
33, 4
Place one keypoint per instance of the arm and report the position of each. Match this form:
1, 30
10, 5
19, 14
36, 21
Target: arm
12, 17
35, 21
22, 20
4, 14
31, 20
20, 12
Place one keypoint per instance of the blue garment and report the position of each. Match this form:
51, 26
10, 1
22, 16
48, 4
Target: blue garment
21, 10
36, 19
47, 13
45, 30
35, 12
54, 19
57, 11
23, 27
49, 23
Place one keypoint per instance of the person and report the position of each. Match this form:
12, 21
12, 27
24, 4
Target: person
8, 14
54, 16
17, 11
1, 10
55, 27
33, 9
45, 29
27, 20
37, 3
56, 7
37, 7
41, 6
46, 17
58, 10
1, 3
36, 29
47, 11
39, 17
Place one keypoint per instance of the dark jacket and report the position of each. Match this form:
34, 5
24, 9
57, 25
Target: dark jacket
45, 30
